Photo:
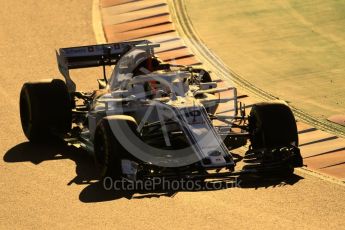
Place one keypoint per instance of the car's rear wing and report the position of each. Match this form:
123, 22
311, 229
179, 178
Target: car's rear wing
94, 56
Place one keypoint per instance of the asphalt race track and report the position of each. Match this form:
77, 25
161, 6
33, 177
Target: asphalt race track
55, 186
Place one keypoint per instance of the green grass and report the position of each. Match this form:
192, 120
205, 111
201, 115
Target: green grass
293, 49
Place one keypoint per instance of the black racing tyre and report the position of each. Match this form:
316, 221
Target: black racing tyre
45, 109
108, 150
205, 75
272, 124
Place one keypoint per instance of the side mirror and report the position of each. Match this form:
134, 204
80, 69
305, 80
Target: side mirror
101, 83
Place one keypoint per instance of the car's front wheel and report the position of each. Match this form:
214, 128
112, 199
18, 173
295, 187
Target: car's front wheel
108, 150
274, 137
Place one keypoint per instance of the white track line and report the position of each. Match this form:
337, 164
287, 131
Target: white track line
97, 22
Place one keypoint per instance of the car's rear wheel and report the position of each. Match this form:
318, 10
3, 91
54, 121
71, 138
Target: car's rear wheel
204, 75
108, 150
45, 109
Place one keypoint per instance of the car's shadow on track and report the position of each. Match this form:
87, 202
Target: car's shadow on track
95, 190
38, 153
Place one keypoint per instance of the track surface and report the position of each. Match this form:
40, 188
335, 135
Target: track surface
48, 185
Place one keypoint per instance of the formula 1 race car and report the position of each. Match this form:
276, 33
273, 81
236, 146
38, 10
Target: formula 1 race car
153, 119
